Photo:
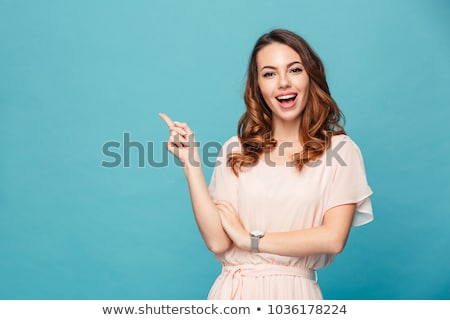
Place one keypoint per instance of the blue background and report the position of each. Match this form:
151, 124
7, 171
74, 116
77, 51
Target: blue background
77, 74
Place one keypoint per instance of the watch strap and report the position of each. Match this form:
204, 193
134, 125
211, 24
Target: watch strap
254, 244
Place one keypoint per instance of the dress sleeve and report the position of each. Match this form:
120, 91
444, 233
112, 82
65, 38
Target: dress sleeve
224, 183
349, 181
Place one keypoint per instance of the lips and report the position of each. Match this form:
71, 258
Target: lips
286, 100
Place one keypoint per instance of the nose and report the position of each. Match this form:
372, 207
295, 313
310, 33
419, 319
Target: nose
284, 81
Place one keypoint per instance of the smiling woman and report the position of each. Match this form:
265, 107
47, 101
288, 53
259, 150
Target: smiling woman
286, 191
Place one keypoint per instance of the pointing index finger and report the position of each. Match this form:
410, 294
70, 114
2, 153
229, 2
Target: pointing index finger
167, 120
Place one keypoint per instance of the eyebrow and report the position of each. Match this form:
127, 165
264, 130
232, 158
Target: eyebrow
289, 65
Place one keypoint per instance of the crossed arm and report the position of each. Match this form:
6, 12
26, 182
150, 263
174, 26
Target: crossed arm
328, 238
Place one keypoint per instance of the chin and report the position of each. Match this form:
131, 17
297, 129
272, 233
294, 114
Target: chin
288, 115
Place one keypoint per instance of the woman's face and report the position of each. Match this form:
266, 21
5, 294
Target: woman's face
283, 81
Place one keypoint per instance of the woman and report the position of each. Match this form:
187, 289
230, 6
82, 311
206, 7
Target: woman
286, 191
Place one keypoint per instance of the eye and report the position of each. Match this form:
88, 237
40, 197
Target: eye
268, 74
296, 70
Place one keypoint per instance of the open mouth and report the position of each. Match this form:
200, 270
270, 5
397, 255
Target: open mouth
287, 101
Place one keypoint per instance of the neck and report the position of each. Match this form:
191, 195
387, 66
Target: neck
286, 131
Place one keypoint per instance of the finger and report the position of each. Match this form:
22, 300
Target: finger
225, 212
179, 143
167, 120
226, 204
174, 139
179, 140
220, 203
222, 210
173, 145
176, 145
221, 206
183, 126
225, 218
177, 130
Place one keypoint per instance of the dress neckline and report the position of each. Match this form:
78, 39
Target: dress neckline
274, 165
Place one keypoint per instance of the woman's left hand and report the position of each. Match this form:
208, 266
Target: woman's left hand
232, 225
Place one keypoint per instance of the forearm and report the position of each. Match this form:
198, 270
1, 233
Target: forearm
205, 211
305, 242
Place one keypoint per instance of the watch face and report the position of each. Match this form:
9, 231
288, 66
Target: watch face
257, 233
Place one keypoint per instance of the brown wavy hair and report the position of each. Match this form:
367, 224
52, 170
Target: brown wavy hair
320, 118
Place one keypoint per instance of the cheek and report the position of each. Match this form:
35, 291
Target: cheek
306, 91
303, 84
306, 95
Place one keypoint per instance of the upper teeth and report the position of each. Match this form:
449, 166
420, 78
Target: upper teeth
288, 96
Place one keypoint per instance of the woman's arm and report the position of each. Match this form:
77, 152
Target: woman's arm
182, 144
205, 212
328, 238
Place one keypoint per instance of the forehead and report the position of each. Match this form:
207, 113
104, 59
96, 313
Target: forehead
276, 55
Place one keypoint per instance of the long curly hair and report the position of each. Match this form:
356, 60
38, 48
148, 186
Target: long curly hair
320, 118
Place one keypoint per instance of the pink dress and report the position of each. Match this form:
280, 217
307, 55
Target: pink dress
280, 198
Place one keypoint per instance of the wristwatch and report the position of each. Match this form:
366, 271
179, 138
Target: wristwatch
255, 236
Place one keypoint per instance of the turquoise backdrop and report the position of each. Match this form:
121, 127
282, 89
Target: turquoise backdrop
78, 75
